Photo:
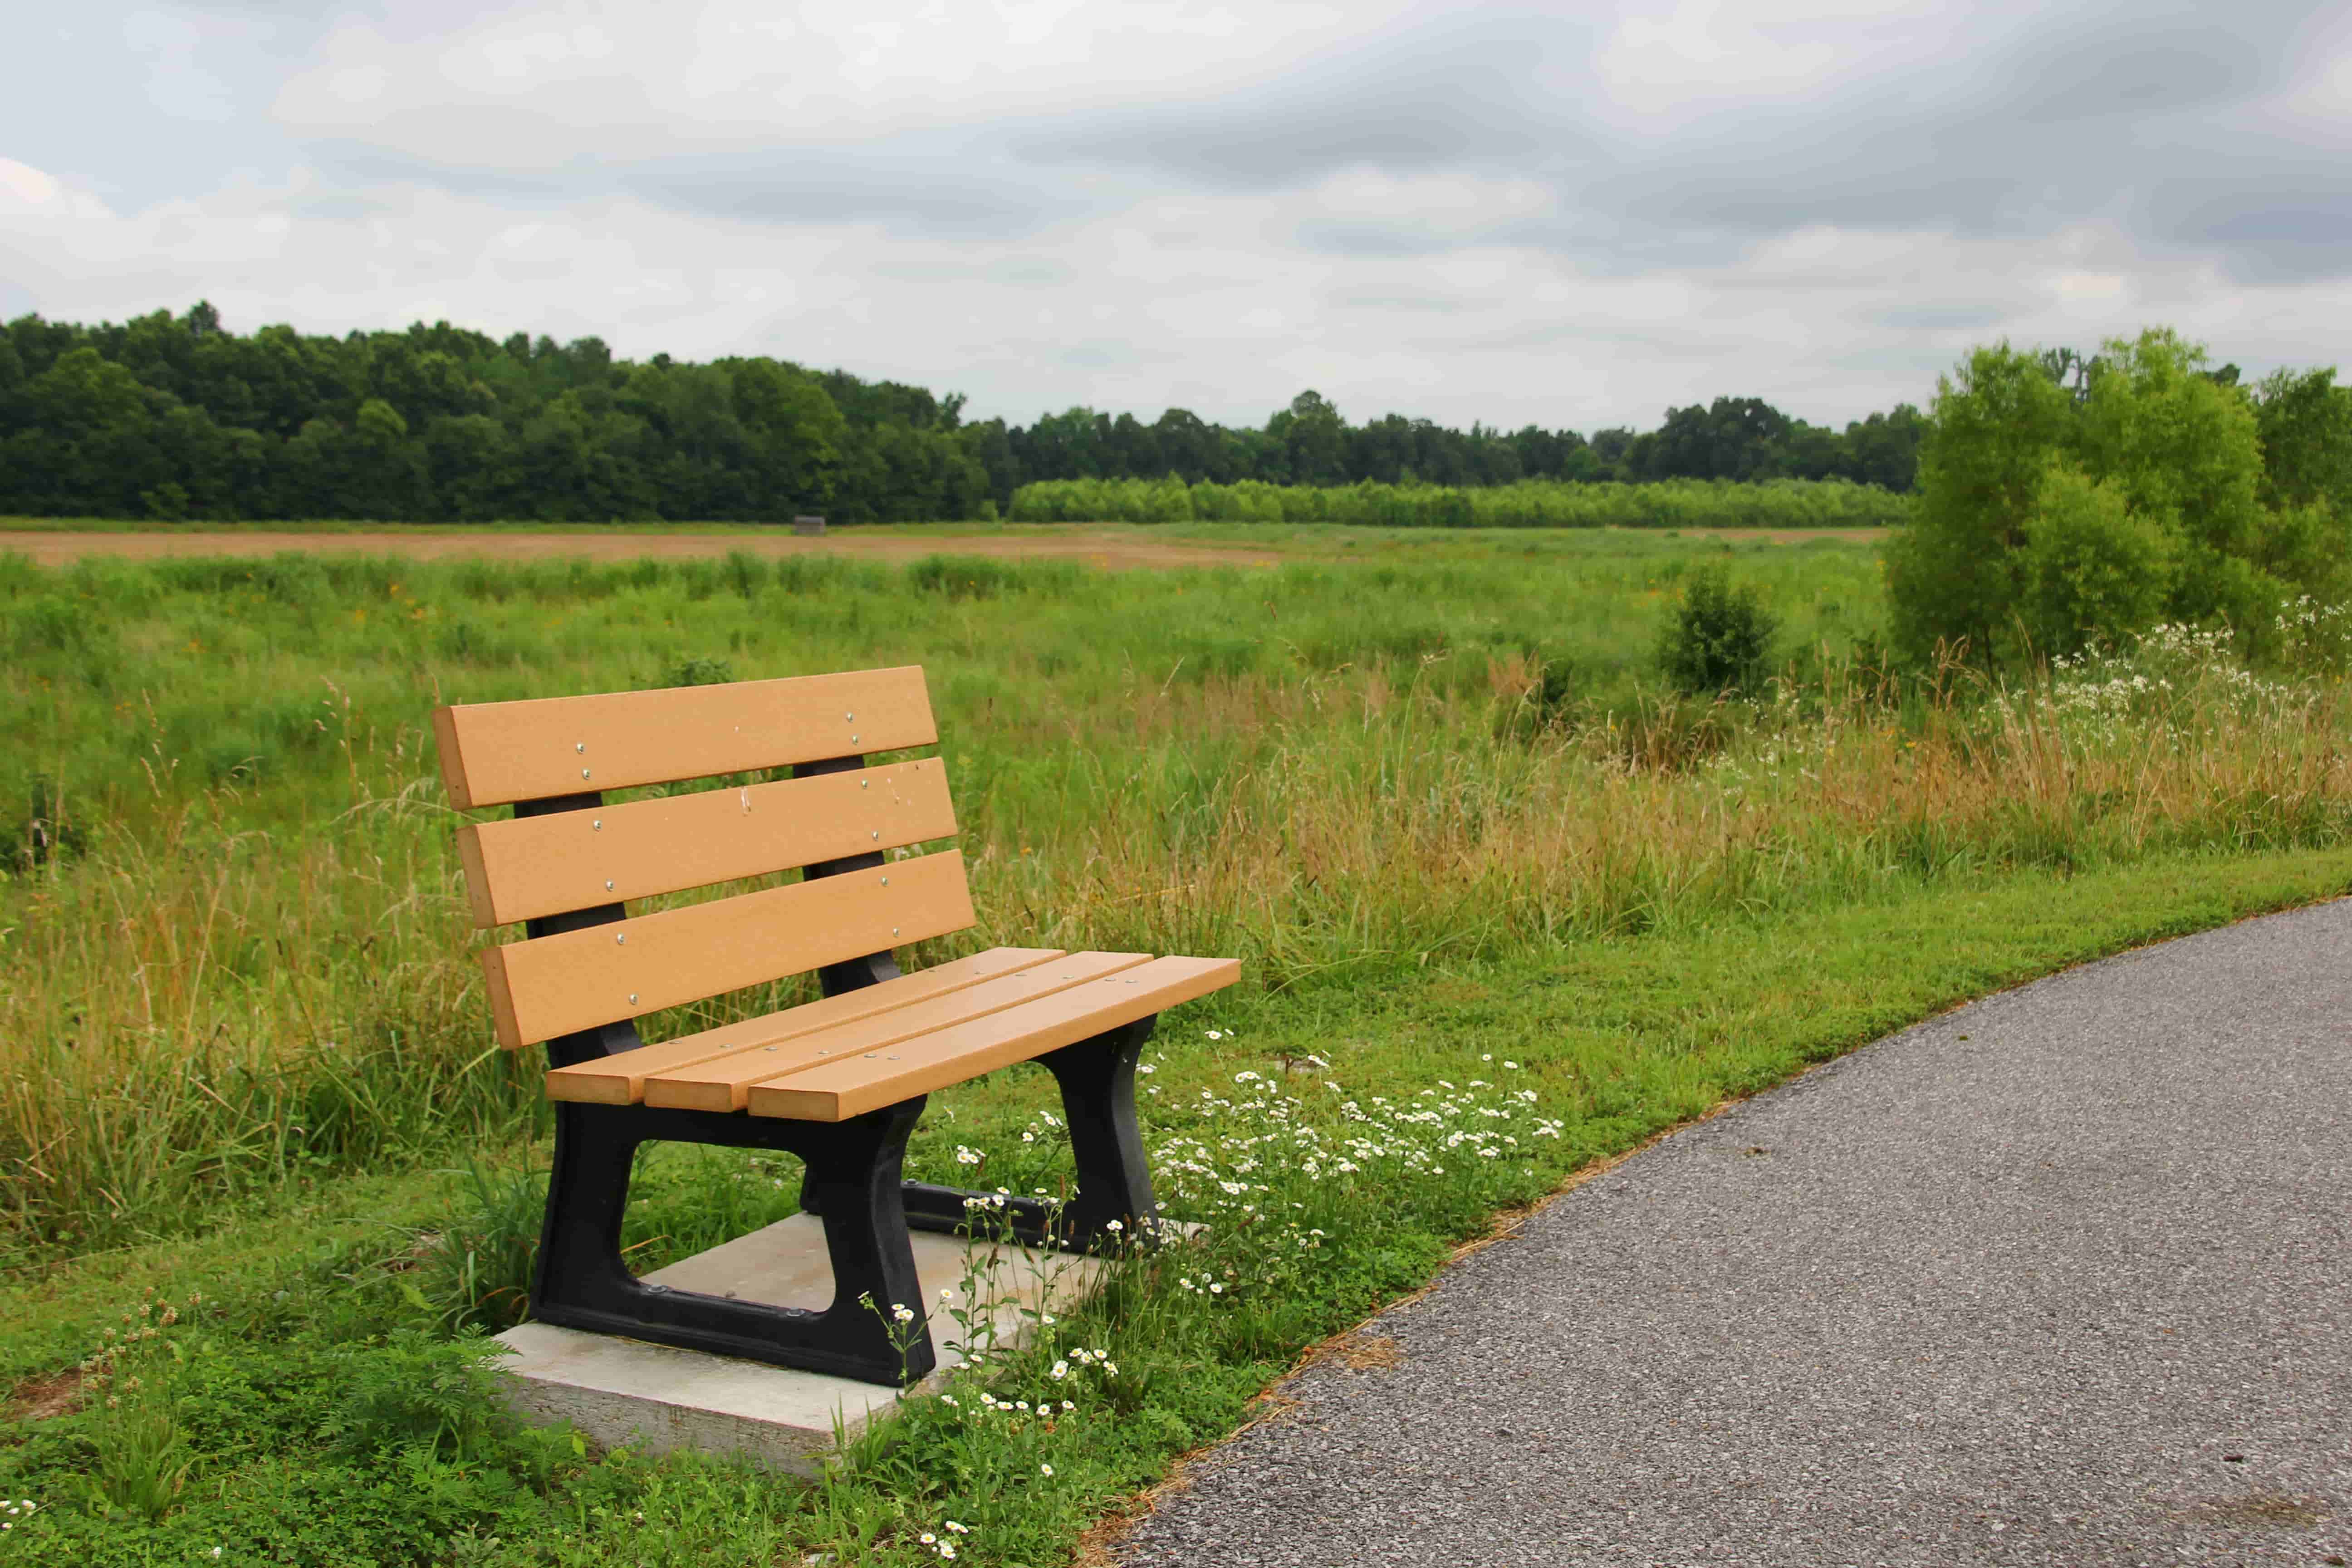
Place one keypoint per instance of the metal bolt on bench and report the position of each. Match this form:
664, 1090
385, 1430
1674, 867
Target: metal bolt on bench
838, 1082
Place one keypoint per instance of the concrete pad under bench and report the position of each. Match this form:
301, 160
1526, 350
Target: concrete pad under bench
655, 1399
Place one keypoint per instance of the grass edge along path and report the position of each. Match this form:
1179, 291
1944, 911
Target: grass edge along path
1820, 989
1641, 1034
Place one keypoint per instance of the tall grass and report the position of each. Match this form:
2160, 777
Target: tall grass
261, 970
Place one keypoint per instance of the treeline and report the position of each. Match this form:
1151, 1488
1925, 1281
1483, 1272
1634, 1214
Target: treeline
1738, 438
1528, 503
175, 416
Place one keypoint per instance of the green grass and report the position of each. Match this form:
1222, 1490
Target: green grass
1619, 1039
1431, 797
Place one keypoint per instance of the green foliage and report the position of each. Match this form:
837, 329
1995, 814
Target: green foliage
478, 1263
410, 1390
699, 670
2095, 570
167, 417
1665, 503
2305, 421
140, 1455
1718, 638
2064, 502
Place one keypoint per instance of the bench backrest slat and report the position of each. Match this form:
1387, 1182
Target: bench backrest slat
534, 866
576, 980
572, 862
493, 753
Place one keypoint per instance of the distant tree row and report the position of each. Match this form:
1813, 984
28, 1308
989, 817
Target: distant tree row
171, 416
1527, 503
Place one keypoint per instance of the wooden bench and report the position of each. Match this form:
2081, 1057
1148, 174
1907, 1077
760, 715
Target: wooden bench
838, 1082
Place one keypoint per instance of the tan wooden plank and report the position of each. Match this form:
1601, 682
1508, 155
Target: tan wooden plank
839, 1091
720, 1083
620, 1079
534, 866
493, 752
554, 985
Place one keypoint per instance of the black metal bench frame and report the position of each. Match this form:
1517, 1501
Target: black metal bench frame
853, 1184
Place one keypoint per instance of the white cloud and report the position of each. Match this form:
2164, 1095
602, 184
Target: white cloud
1511, 213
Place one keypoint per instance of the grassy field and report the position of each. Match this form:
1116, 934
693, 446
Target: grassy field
1505, 907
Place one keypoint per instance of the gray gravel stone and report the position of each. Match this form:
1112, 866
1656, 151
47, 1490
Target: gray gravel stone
2063, 1277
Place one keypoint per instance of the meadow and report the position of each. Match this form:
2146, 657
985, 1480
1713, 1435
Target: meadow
1505, 905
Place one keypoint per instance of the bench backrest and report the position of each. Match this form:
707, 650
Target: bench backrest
566, 862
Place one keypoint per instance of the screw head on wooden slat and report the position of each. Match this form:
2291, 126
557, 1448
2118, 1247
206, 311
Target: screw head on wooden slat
849, 717
579, 745
596, 825
894, 930
875, 833
865, 783
583, 772
853, 739
608, 884
633, 998
886, 882
620, 939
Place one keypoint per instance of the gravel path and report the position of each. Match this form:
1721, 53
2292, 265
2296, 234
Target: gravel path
2065, 1276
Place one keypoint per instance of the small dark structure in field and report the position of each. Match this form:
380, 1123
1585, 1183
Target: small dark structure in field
808, 525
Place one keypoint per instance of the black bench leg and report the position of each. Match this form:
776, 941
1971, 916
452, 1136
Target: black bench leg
581, 1283
1097, 1081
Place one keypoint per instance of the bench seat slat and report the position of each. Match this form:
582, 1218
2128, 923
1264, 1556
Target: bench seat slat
619, 1078
496, 752
838, 1091
721, 1083
553, 986
534, 866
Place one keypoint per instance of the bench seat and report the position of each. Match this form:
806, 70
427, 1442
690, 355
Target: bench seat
841, 1057
751, 781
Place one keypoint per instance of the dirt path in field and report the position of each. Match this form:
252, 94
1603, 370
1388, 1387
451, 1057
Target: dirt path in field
1114, 550
1111, 547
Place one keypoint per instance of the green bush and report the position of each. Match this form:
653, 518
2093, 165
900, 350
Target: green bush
1718, 638
2054, 516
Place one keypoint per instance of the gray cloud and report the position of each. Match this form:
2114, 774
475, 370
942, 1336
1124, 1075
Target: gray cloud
1438, 214
1464, 90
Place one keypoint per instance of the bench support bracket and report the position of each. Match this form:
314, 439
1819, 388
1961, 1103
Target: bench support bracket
1097, 1082
582, 1282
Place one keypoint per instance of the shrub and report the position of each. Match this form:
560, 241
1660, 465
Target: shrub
1719, 638
699, 671
2051, 518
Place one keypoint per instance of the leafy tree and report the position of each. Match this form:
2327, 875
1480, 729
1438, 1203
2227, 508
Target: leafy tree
1953, 576
2305, 422
2094, 568
2064, 502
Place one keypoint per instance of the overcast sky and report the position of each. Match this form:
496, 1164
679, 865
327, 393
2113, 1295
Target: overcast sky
1570, 215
